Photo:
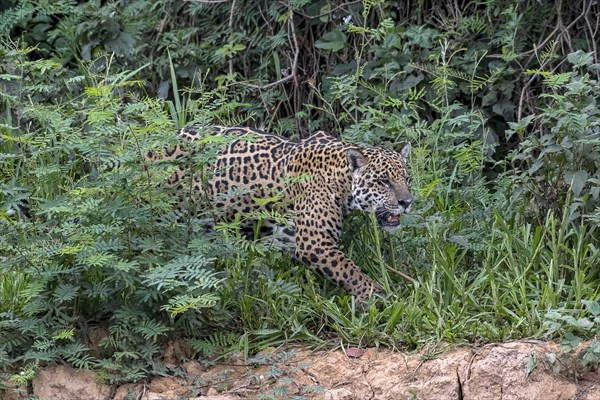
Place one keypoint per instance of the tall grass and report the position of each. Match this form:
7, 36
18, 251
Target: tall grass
500, 288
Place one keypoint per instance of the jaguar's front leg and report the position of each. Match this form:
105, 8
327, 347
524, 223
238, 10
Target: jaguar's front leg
332, 263
316, 246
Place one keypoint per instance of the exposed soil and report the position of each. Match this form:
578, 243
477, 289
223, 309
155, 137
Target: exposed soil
496, 371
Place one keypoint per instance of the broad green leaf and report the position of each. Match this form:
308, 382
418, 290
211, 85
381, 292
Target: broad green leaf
592, 306
532, 363
504, 108
124, 43
577, 180
580, 58
334, 41
570, 342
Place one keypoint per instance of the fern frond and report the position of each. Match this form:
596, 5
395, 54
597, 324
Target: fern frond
185, 302
216, 342
151, 329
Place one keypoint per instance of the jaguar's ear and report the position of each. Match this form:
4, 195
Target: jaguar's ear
405, 152
356, 159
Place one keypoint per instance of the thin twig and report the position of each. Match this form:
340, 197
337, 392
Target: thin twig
262, 87
230, 25
146, 169
207, 1
597, 26
293, 73
401, 274
143, 392
533, 51
563, 30
329, 11
594, 52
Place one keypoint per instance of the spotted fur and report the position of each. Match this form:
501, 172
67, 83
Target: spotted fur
341, 177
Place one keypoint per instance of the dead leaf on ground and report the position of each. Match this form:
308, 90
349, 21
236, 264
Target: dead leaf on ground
354, 352
591, 376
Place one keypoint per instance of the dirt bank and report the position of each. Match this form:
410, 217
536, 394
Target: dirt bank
508, 371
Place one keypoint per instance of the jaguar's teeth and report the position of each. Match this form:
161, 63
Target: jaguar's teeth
393, 218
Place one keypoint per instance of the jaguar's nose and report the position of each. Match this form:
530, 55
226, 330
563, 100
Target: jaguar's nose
405, 202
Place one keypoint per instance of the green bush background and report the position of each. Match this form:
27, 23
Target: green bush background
499, 99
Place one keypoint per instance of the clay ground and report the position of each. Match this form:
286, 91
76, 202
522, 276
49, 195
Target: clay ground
508, 371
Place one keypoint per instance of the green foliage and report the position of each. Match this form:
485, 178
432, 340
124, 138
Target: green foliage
563, 151
571, 360
503, 242
257, 43
93, 250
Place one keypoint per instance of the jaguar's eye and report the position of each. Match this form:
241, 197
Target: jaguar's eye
385, 182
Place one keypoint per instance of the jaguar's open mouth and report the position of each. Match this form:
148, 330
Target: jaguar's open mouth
387, 219
393, 220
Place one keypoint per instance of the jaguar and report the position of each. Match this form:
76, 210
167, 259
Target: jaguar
319, 180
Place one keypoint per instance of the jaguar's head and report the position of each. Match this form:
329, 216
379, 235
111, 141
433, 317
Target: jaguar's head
381, 184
